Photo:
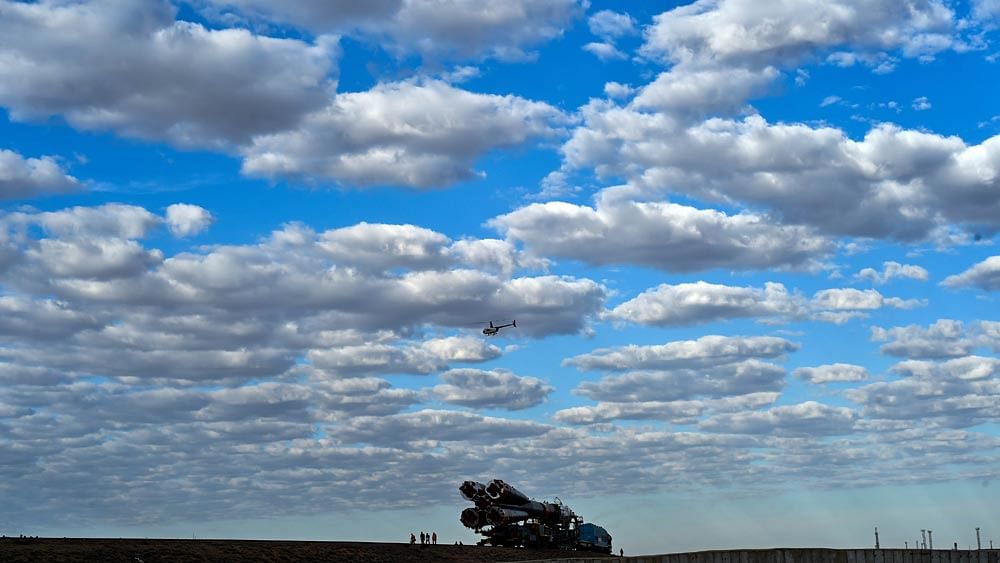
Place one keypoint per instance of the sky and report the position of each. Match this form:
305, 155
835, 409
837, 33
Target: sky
247, 249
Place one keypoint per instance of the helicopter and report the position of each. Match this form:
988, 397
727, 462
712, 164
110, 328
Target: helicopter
493, 330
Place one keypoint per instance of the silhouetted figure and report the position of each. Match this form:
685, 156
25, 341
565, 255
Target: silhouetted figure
413, 538
434, 538
422, 538
621, 552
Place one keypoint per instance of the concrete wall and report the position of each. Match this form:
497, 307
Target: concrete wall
808, 555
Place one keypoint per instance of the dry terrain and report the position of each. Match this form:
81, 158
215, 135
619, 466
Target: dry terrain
71, 550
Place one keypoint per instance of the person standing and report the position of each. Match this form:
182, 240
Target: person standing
434, 538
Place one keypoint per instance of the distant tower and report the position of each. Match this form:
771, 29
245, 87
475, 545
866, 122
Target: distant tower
978, 545
930, 538
923, 534
876, 537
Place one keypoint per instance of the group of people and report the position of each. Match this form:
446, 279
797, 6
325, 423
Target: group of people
425, 539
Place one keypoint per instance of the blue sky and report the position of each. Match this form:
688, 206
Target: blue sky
750, 249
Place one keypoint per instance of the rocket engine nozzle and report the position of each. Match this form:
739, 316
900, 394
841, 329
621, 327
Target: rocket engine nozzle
499, 515
473, 518
471, 489
505, 494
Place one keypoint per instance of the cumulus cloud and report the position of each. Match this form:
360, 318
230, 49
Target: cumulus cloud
436, 426
416, 134
426, 357
945, 338
667, 236
959, 392
680, 381
111, 220
895, 183
984, 275
463, 29
618, 90
22, 177
186, 220
921, 103
603, 51
985, 10
803, 419
752, 33
705, 351
701, 302
98, 258
891, 270
741, 377
688, 93
287, 305
497, 388
132, 68
676, 412
832, 373
840, 299
380, 247
609, 24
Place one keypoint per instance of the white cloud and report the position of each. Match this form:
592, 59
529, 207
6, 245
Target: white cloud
608, 24
676, 412
709, 350
693, 92
856, 299
693, 303
495, 388
921, 103
667, 236
425, 358
945, 338
892, 270
895, 183
380, 247
986, 10
701, 302
130, 67
832, 373
984, 275
186, 220
30, 177
829, 101
437, 426
417, 134
463, 29
96, 258
108, 220
741, 377
958, 393
618, 90
879, 63
759, 33
803, 419
604, 51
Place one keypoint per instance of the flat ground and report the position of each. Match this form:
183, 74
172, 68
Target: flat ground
72, 550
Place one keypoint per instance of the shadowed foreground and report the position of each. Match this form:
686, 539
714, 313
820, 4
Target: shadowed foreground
71, 550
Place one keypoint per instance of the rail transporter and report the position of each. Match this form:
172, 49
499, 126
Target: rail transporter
507, 517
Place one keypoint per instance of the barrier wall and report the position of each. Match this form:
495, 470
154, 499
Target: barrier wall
807, 555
